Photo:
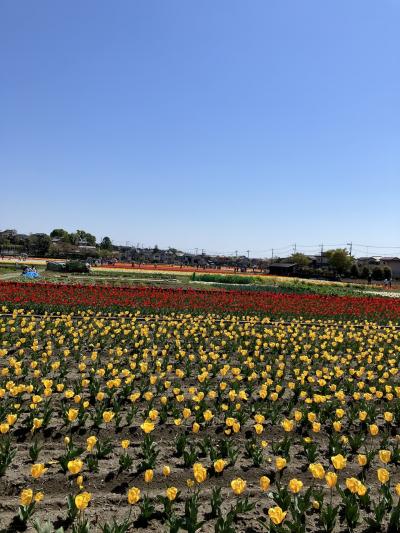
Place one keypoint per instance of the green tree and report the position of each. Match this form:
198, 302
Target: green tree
339, 260
60, 233
364, 272
300, 259
377, 273
354, 271
39, 244
106, 243
82, 236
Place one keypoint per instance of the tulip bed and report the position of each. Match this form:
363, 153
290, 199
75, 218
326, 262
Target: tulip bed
49, 296
184, 422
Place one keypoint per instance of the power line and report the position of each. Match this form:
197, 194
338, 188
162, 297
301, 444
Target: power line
308, 249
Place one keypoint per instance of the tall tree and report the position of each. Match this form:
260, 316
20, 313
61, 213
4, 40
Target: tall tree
106, 243
39, 244
300, 259
60, 233
339, 259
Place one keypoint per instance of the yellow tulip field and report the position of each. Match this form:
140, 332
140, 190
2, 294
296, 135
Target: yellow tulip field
172, 421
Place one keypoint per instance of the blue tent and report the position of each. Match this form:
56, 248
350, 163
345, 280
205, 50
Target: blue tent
31, 275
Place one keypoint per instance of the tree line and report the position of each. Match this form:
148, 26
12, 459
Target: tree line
341, 262
58, 242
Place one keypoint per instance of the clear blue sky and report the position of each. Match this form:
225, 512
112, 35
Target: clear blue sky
221, 125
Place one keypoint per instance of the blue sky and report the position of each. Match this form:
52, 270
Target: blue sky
224, 125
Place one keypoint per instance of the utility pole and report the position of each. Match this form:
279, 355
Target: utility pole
322, 252
294, 248
196, 250
272, 255
236, 253
248, 254
202, 251
351, 247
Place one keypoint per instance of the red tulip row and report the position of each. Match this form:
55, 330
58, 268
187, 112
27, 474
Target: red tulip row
310, 305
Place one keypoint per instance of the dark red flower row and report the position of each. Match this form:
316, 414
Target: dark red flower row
95, 296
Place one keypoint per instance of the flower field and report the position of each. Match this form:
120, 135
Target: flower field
44, 296
179, 421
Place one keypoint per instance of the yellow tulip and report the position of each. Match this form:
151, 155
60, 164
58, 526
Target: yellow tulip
11, 419
171, 493
72, 414
199, 472
276, 515
316, 427
331, 479
186, 413
82, 500
338, 461
207, 415
37, 470
388, 416
317, 470
91, 442
236, 426
383, 475
280, 463
153, 414
287, 425
374, 430
147, 426
37, 423
148, 476
219, 465
355, 486
362, 459
238, 485
298, 415
75, 466
108, 416
295, 485
133, 495
385, 456
38, 497
264, 483
26, 497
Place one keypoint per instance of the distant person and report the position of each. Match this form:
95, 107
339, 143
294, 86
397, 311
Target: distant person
390, 282
369, 278
386, 283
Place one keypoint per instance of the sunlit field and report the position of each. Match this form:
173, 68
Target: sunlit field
198, 422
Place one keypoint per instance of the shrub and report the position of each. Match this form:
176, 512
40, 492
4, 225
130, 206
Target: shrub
228, 278
377, 273
364, 272
354, 271
387, 272
77, 266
